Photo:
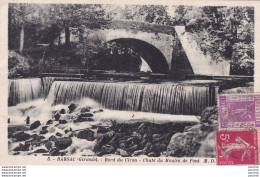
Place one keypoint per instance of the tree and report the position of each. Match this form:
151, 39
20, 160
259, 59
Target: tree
48, 18
20, 16
226, 33
78, 16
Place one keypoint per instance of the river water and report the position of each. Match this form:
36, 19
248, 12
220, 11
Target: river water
178, 98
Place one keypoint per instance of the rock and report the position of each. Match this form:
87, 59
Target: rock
138, 152
183, 145
51, 142
22, 147
72, 107
152, 154
37, 137
85, 109
206, 128
137, 135
120, 128
73, 134
208, 147
102, 129
212, 118
58, 134
122, 144
66, 131
63, 121
40, 151
100, 110
45, 127
114, 141
63, 143
147, 146
35, 125
107, 149
88, 119
196, 140
110, 134
27, 120
158, 147
86, 115
141, 127
132, 140
17, 153
104, 139
132, 148
71, 117
215, 125
94, 127
207, 113
49, 122
36, 141
86, 134
249, 88
122, 152
156, 136
27, 143
147, 137
163, 138
57, 116
52, 129
144, 128
55, 152
43, 132
62, 111
83, 119
49, 145
53, 138
10, 134
21, 136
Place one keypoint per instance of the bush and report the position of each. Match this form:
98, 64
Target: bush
17, 65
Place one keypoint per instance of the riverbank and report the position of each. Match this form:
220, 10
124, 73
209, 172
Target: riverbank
85, 131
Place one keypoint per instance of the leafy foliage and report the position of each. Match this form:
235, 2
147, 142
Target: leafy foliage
225, 33
17, 64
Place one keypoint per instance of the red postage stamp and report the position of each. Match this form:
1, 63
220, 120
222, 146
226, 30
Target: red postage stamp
239, 111
237, 147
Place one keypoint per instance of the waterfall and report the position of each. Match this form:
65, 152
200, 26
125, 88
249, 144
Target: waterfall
46, 85
158, 98
22, 90
170, 98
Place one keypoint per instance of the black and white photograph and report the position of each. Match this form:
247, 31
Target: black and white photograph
123, 80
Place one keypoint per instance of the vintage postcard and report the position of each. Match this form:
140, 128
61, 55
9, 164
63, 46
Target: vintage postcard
127, 83
237, 147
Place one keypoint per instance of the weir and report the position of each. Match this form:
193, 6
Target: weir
23, 90
170, 98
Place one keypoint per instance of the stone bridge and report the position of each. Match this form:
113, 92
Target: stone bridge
166, 49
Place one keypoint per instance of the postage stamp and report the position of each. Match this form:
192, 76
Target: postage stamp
239, 110
237, 147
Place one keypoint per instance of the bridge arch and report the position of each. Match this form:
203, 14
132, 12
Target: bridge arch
176, 47
153, 56
160, 43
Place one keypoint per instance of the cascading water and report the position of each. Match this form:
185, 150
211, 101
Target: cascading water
158, 98
46, 85
22, 90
